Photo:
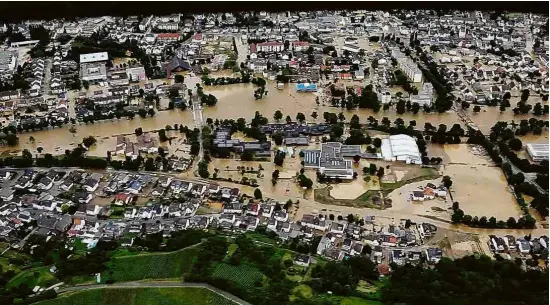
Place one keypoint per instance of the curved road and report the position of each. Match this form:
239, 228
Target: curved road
156, 285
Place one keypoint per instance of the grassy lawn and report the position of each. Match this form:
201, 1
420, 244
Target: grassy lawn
118, 211
358, 301
366, 196
152, 265
141, 296
120, 252
5, 264
203, 211
242, 275
301, 290
231, 249
261, 238
79, 246
40, 276
82, 279
364, 201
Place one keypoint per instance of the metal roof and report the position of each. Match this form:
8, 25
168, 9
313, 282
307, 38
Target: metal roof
93, 57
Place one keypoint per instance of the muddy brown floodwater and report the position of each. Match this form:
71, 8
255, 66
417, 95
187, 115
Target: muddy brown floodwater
235, 101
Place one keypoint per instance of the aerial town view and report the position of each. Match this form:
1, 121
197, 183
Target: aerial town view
348, 157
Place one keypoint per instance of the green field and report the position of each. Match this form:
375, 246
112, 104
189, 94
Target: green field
40, 276
152, 266
242, 275
141, 296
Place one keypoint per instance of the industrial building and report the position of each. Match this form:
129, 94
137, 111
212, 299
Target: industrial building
538, 152
92, 66
401, 148
330, 161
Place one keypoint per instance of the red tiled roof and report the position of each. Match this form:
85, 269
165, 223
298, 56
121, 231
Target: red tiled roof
301, 43
121, 196
198, 36
383, 269
253, 48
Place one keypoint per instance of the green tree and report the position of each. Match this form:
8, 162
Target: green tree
257, 194
515, 144
457, 216
447, 182
372, 168
511, 222
288, 119
89, 141
337, 130
380, 172
314, 115
300, 117
178, 78
278, 115
377, 142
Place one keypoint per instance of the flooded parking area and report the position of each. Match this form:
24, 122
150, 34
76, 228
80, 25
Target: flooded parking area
478, 185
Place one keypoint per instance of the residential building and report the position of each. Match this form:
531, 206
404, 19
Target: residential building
425, 96
405, 64
271, 46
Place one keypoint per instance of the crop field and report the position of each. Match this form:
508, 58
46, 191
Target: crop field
153, 266
141, 296
242, 275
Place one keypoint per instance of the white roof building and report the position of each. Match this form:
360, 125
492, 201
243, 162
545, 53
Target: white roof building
538, 152
401, 148
93, 57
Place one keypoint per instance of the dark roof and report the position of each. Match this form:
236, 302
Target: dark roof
178, 63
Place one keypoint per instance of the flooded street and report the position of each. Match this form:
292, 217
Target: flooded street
285, 188
235, 101
478, 186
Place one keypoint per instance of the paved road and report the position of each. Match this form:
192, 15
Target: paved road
157, 285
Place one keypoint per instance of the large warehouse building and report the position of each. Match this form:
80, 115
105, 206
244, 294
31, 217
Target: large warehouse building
330, 161
401, 148
92, 67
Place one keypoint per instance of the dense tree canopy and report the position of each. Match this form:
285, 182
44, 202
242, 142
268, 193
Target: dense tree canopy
468, 280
